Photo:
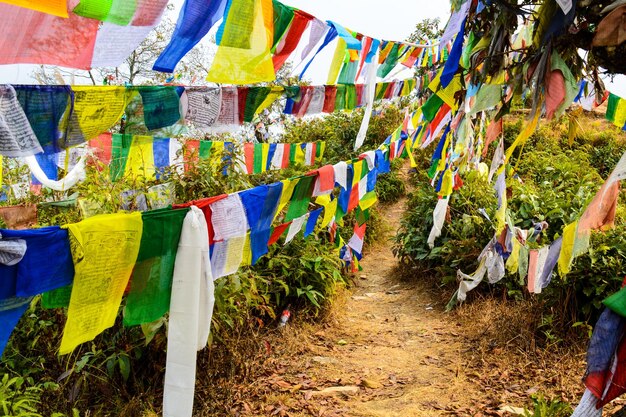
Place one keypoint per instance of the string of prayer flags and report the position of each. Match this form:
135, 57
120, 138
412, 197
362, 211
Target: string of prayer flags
104, 250
53, 7
151, 283
245, 40
195, 20
191, 311
52, 40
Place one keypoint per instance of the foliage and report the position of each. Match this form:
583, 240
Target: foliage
552, 181
548, 408
390, 187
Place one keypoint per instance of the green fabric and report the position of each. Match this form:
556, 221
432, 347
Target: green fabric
258, 158
318, 150
362, 216
205, 149
348, 72
119, 12
292, 153
161, 106
120, 146
467, 52
283, 16
151, 283
523, 264
617, 302
59, 298
300, 199
351, 96
340, 99
611, 109
431, 107
256, 97
390, 62
292, 91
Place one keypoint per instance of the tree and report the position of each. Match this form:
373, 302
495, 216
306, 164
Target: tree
426, 31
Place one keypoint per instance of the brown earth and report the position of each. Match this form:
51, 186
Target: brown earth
388, 348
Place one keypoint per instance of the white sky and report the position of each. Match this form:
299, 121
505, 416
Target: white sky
383, 19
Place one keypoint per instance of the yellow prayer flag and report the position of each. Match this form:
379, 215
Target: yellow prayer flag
330, 209
338, 58
245, 58
447, 94
247, 252
512, 264
567, 248
140, 162
368, 200
53, 7
97, 109
265, 153
104, 250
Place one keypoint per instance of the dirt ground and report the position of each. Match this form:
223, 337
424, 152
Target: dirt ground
388, 348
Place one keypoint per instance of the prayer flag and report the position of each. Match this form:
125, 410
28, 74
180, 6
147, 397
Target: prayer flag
616, 111
53, 7
104, 249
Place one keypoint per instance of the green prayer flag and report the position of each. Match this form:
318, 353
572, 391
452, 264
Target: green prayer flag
119, 12
151, 282
351, 96
120, 147
390, 62
256, 97
258, 158
59, 298
340, 99
161, 106
283, 16
300, 199
205, 149
348, 72
431, 107
617, 302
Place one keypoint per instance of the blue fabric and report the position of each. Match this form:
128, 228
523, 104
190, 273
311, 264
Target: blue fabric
606, 337
372, 52
439, 151
372, 177
47, 264
383, 165
44, 106
253, 201
312, 221
48, 163
289, 106
551, 261
560, 22
270, 156
581, 91
262, 217
350, 40
454, 59
195, 20
330, 36
229, 149
161, 151
9, 319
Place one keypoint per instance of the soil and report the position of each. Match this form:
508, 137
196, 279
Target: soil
388, 348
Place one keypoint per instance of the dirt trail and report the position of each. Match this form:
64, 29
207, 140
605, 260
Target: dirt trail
390, 350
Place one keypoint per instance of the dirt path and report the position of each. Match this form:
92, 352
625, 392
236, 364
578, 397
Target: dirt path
389, 350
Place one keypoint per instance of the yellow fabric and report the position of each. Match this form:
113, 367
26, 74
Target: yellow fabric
335, 66
285, 197
501, 214
567, 248
322, 147
447, 184
247, 252
274, 95
523, 136
385, 52
330, 209
409, 152
104, 249
140, 162
357, 169
368, 200
97, 109
54, 7
447, 94
620, 113
236, 65
512, 264
217, 151
300, 156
